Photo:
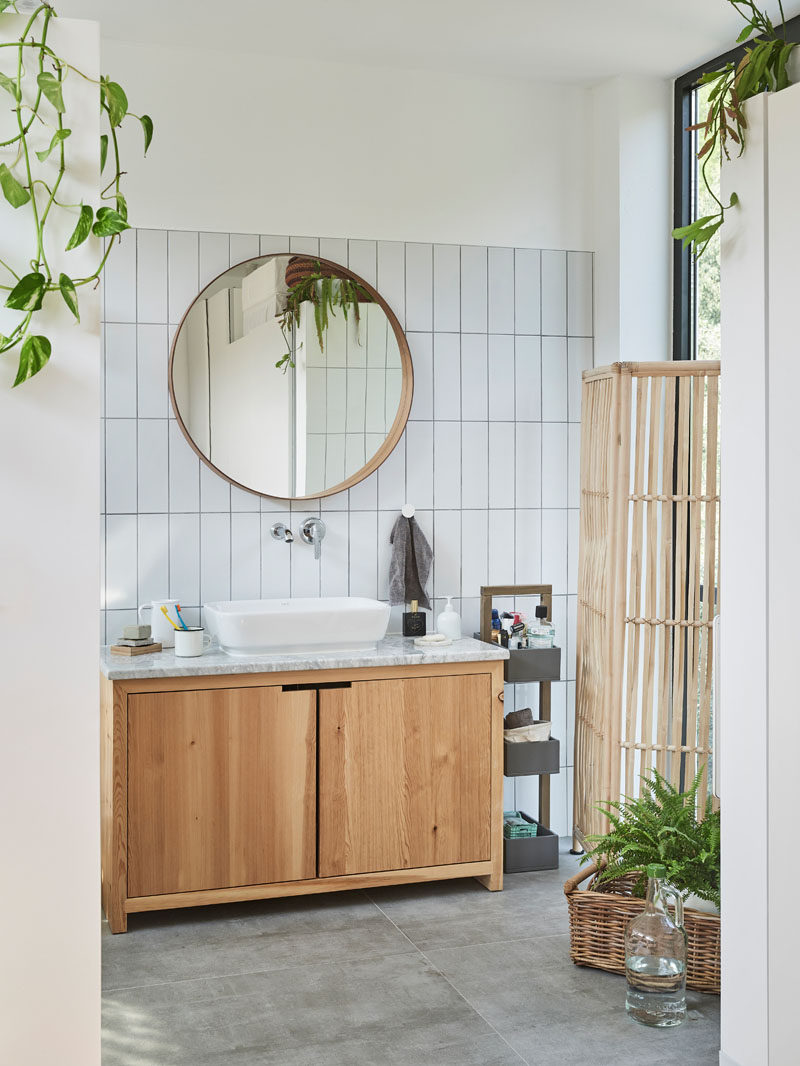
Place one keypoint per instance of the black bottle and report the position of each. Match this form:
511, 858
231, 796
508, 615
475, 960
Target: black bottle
414, 621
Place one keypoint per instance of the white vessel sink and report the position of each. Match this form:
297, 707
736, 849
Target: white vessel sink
312, 626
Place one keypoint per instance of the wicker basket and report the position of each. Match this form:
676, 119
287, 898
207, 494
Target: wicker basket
599, 915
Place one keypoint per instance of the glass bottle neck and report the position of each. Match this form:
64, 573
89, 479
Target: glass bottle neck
655, 899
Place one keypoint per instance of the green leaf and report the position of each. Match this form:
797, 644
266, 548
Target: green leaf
103, 152
9, 84
28, 293
67, 287
4, 4
693, 227
109, 223
116, 102
12, 190
51, 87
34, 355
58, 137
748, 31
147, 126
122, 206
781, 76
83, 228
734, 199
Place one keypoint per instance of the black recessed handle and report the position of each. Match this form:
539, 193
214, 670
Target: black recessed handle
314, 688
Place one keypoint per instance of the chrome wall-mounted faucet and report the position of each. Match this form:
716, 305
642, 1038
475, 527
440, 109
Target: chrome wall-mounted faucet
281, 532
313, 532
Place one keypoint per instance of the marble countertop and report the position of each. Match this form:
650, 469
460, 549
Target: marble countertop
391, 651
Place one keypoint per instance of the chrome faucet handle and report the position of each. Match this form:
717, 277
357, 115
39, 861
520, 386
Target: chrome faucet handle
281, 532
313, 531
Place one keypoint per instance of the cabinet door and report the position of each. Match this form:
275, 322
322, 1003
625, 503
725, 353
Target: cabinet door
221, 789
404, 774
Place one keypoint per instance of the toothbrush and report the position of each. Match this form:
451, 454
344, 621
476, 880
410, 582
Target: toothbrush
180, 616
164, 612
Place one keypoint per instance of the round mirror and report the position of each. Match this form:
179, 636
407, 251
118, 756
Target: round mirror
291, 377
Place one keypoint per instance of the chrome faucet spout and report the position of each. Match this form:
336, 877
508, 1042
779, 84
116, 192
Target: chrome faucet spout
281, 532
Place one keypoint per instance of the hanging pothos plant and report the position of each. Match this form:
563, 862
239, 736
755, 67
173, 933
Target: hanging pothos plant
325, 294
761, 69
33, 75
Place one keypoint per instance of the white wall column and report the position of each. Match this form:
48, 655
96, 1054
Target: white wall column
632, 163
49, 594
759, 726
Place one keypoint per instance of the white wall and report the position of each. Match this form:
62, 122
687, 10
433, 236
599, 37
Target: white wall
631, 191
49, 729
265, 145
742, 740
783, 573
760, 728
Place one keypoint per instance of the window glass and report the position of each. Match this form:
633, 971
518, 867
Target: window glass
706, 283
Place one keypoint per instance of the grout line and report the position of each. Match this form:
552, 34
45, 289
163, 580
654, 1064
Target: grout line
120, 989
444, 976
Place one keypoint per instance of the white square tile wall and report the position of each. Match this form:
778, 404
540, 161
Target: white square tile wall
490, 458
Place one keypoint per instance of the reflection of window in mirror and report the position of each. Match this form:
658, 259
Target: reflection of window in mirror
353, 392
320, 418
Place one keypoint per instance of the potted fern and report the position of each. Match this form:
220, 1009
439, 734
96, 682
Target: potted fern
662, 826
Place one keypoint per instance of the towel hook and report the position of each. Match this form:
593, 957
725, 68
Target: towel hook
408, 510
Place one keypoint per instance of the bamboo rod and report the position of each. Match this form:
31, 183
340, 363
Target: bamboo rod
694, 637
648, 694
665, 593
682, 448
633, 632
710, 368
619, 487
710, 607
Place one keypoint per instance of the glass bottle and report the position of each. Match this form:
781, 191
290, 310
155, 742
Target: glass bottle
655, 956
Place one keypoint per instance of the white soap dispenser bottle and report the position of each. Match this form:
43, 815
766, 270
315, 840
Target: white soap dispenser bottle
448, 622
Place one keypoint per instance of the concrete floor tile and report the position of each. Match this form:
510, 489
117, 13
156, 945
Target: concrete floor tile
247, 938
399, 1004
547, 1008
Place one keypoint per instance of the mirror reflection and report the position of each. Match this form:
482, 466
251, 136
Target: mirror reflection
287, 376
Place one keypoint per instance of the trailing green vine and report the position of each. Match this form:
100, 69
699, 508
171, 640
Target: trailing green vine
761, 69
325, 294
41, 80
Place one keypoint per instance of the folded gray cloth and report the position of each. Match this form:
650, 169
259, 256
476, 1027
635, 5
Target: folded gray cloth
410, 564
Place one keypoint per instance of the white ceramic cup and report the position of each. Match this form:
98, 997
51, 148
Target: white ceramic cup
191, 641
162, 630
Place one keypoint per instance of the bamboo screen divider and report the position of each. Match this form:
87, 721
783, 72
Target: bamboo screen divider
647, 580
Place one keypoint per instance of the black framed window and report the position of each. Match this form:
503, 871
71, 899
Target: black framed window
695, 308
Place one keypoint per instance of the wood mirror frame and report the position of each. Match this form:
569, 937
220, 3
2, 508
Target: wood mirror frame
406, 392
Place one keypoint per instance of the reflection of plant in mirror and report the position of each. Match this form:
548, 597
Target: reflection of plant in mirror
38, 103
762, 69
325, 293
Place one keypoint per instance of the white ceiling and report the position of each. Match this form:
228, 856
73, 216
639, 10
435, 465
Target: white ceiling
565, 40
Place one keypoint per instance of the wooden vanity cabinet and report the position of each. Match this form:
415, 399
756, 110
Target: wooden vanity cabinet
247, 786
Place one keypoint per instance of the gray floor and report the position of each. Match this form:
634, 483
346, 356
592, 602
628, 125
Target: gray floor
446, 974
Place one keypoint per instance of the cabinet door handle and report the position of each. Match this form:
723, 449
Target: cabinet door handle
314, 688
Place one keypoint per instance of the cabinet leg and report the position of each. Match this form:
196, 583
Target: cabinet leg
492, 881
116, 915
118, 924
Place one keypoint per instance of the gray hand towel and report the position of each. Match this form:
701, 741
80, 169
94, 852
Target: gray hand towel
410, 564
